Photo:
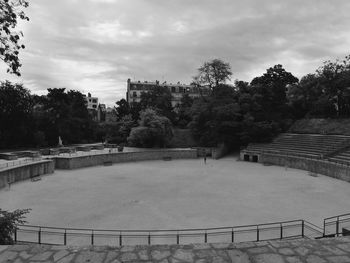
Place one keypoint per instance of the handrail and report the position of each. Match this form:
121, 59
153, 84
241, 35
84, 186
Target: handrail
253, 232
163, 230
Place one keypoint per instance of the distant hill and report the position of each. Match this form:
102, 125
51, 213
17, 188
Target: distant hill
321, 126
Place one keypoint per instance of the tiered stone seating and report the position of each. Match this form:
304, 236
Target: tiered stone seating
342, 157
306, 145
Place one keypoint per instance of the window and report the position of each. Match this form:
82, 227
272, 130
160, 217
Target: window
173, 89
134, 94
94, 101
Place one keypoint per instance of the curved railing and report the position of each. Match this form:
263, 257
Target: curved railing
336, 225
81, 236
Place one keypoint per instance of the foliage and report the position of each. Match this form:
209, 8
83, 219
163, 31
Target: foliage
65, 114
158, 98
122, 109
213, 73
183, 111
15, 115
271, 86
154, 130
325, 93
10, 13
8, 223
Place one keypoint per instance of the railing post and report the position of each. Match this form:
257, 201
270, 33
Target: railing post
324, 227
205, 237
92, 237
177, 238
337, 226
65, 237
302, 228
149, 238
232, 236
281, 231
257, 233
39, 236
120, 239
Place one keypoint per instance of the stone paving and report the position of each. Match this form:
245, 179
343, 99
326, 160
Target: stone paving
331, 250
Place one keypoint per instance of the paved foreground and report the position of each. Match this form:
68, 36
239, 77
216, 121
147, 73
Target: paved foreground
332, 250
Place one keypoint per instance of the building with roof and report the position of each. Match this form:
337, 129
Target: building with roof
136, 88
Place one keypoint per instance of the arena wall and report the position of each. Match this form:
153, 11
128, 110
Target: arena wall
26, 171
75, 162
220, 151
338, 171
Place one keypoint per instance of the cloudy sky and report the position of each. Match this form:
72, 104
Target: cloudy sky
96, 45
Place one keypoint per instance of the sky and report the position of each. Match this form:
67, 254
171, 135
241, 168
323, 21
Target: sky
96, 45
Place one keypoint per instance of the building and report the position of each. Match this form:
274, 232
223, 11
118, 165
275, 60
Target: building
135, 88
91, 102
97, 111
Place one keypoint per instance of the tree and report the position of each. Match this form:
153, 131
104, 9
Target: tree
213, 73
10, 12
158, 98
122, 109
183, 111
154, 130
334, 78
8, 224
16, 106
216, 119
65, 114
273, 84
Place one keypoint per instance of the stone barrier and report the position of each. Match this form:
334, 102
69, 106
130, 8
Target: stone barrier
74, 162
324, 167
25, 171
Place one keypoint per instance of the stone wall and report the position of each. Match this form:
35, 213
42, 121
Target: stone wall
219, 151
75, 162
25, 171
338, 171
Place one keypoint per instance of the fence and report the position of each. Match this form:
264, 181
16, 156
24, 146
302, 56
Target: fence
336, 225
19, 162
260, 232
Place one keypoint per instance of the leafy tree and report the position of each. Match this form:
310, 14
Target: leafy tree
273, 84
154, 130
15, 115
303, 95
213, 73
65, 114
183, 111
8, 224
122, 109
10, 12
334, 78
217, 119
158, 98
135, 108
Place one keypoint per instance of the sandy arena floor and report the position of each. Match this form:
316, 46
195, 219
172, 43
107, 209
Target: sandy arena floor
177, 194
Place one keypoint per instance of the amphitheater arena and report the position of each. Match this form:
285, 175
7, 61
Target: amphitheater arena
319, 156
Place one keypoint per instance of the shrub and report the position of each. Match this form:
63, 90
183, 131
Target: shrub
154, 130
8, 224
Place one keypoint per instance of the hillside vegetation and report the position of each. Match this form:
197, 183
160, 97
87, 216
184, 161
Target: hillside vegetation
322, 126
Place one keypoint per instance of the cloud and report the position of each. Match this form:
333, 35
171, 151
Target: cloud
95, 46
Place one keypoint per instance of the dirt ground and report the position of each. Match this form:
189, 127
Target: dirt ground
177, 194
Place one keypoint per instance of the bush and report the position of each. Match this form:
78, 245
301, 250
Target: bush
8, 223
154, 131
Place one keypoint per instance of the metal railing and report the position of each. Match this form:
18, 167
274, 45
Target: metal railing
75, 236
336, 225
19, 162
